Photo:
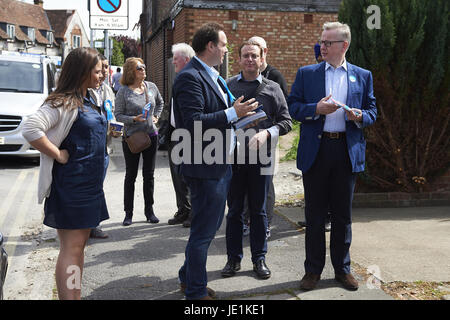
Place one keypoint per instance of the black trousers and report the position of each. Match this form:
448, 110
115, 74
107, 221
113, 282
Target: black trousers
180, 186
329, 186
247, 182
148, 169
270, 204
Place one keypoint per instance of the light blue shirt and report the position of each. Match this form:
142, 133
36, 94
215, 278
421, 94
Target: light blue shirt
229, 112
214, 74
336, 84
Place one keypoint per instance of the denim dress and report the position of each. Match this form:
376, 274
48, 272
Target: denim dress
76, 199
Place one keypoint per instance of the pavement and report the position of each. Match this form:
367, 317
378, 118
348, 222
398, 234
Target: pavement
141, 262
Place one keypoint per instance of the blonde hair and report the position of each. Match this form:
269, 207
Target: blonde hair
129, 68
343, 30
262, 43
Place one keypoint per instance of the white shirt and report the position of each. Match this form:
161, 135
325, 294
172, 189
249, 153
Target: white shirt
172, 117
336, 83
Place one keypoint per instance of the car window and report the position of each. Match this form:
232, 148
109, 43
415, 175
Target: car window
21, 76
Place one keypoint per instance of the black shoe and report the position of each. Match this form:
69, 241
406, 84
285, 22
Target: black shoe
128, 219
261, 269
178, 218
187, 222
301, 224
151, 218
230, 269
98, 233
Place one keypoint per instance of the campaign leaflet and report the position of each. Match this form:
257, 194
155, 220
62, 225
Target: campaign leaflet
251, 120
342, 105
146, 110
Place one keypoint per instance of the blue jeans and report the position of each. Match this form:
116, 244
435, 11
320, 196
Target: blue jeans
208, 197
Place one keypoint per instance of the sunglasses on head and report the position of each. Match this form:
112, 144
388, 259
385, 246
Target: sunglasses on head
140, 67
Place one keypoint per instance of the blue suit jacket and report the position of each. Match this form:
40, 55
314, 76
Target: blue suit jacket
308, 89
197, 98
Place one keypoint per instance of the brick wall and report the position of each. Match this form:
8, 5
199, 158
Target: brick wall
155, 61
290, 37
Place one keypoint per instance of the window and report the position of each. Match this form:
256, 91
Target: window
76, 41
31, 34
50, 37
11, 30
21, 77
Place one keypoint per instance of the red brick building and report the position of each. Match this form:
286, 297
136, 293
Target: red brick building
290, 28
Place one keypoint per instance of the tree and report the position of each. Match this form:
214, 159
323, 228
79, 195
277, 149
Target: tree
129, 46
409, 145
117, 56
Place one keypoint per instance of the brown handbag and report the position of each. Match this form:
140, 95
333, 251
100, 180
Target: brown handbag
138, 141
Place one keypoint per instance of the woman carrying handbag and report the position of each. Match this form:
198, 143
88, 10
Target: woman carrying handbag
131, 100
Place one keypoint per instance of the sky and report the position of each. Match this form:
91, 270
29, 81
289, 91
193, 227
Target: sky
135, 9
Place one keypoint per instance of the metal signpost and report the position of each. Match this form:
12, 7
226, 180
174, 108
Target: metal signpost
108, 15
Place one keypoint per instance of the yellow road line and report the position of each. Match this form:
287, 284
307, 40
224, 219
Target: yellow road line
22, 212
8, 201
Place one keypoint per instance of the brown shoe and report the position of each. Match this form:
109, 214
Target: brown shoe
211, 292
348, 281
309, 281
206, 298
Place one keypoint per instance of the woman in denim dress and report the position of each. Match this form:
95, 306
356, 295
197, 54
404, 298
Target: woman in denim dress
70, 132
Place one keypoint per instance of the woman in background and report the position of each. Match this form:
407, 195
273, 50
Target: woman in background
131, 99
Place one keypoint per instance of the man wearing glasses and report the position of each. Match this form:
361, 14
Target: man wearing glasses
334, 101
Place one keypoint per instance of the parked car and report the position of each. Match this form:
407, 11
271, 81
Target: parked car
3, 266
25, 82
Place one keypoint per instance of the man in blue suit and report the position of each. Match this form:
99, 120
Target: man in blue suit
201, 102
331, 149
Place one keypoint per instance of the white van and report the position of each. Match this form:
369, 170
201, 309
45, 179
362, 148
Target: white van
25, 82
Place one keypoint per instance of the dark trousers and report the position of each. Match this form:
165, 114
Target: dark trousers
270, 204
248, 182
329, 185
208, 197
148, 169
180, 186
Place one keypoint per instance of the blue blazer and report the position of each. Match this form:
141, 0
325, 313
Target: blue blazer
197, 98
308, 89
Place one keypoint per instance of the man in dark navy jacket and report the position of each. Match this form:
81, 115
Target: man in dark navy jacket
331, 149
202, 106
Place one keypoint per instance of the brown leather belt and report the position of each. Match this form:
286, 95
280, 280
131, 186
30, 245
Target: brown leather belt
334, 135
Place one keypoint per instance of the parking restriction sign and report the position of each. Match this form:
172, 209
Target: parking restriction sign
108, 14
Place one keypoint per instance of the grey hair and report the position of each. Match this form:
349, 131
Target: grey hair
342, 29
259, 41
184, 49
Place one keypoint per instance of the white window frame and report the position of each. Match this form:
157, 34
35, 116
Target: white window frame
11, 30
50, 37
76, 41
32, 34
